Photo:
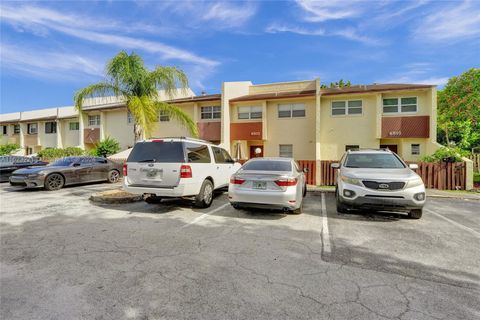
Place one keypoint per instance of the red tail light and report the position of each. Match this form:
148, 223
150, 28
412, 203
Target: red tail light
157, 140
286, 182
185, 171
125, 170
236, 181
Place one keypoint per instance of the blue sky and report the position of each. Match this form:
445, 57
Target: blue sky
50, 49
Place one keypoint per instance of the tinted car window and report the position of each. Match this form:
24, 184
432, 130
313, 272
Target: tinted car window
64, 162
268, 166
157, 152
197, 153
373, 160
226, 156
218, 155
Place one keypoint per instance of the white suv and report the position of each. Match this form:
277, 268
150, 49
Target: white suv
178, 167
378, 179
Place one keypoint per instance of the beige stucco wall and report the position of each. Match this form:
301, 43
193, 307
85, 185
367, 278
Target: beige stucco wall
174, 128
70, 137
300, 132
338, 131
116, 126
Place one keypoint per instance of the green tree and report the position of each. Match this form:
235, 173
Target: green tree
106, 147
8, 149
129, 79
459, 110
339, 84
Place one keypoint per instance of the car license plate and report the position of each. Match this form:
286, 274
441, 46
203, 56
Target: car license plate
153, 174
262, 185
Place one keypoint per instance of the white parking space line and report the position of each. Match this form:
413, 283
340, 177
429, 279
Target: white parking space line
203, 216
325, 233
475, 233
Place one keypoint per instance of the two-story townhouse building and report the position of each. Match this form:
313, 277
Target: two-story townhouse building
291, 119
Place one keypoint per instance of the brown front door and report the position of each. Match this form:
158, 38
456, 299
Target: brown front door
254, 154
391, 147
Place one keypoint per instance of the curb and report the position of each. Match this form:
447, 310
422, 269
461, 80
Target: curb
451, 197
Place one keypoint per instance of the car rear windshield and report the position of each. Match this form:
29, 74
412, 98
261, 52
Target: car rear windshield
373, 160
165, 151
268, 165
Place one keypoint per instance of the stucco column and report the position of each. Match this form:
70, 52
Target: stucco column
378, 115
264, 121
225, 119
103, 125
22, 133
40, 132
81, 129
318, 155
59, 133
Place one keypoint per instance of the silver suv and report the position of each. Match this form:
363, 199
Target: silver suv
378, 180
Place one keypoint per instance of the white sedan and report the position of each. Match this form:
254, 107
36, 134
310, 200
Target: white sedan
268, 183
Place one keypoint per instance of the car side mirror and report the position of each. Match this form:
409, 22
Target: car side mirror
305, 170
335, 165
76, 164
413, 166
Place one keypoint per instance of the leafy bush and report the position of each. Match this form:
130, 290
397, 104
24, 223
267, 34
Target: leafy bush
454, 153
105, 148
476, 178
56, 153
8, 149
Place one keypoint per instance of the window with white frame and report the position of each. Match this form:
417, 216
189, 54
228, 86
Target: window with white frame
398, 105
94, 120
163, 116
352, 147
4, 130
16, 129
73, 126
285, 150
32, 128
129, 117
214, 112
347, 107
415, 148
250, 112
291, 110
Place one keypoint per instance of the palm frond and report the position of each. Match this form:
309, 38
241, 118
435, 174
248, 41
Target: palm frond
144, 111
96, 90
129, 73
178, 114
168, 79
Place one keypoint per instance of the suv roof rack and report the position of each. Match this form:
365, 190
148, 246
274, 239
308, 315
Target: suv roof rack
183, 138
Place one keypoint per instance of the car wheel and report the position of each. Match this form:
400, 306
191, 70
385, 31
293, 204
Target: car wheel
299, 210
415, 214
205, 197
153, 199
236, 206
341, 208
54, 181
304, 191
113, 176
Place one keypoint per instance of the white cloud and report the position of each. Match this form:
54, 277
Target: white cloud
229, 14
49, 64
416, 73
347, 33
453, 23
317, 11
32, 17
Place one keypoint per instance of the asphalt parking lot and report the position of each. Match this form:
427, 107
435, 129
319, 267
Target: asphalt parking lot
64, 257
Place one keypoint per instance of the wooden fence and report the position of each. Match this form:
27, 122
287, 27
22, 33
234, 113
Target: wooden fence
475, 157
440, 175
312, 170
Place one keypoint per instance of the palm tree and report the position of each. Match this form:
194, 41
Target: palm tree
129, 79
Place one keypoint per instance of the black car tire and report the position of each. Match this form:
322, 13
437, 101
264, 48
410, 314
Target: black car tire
54, 181
341, 208
298, 210
205, 197
415, 214
304, 191
113, 176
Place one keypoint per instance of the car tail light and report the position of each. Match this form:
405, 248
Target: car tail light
125, 169
236, 181
185, 171
157, 140
286, 182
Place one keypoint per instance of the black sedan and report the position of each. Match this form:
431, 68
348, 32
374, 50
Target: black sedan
8, 164
68, 171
